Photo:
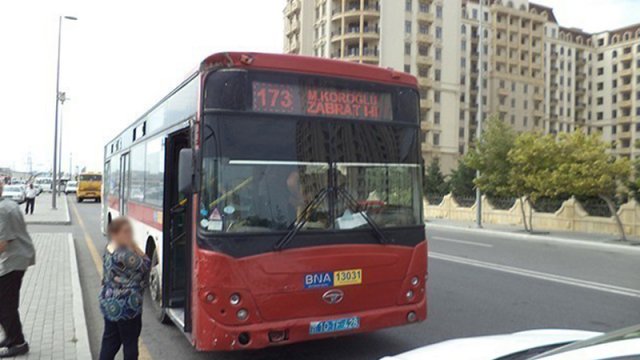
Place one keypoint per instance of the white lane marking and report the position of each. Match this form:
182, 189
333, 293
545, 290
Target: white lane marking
440, 238
539, 275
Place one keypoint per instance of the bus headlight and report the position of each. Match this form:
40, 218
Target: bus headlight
415, 281
234, 299
242, 314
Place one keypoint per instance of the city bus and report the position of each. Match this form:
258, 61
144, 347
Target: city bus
279, 198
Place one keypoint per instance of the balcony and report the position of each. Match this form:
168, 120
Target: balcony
625, 104
624, 119
370, 56
371, 32
623, 88
624, 134
628, 56
425, 81
424, 60
292, 7
538, 96
426, 104
426, 126
425, 38
293, 27
538, 113
426, 147
294, 46
627, 72
424, 16
501, 42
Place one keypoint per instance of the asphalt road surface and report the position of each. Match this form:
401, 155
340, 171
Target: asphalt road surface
478, 285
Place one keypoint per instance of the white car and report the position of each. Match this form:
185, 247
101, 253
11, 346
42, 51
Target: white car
71, 187
548, 344
15, 193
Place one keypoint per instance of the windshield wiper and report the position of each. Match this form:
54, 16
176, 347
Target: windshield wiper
356, 208
299, 222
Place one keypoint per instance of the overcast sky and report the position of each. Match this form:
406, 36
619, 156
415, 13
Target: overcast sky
122, 56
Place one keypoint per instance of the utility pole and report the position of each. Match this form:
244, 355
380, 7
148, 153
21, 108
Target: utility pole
480, 114
54, 184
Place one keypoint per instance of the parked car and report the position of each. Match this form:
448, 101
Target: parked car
15, 193
71, 187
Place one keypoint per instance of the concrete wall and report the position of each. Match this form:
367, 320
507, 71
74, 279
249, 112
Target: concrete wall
570, 217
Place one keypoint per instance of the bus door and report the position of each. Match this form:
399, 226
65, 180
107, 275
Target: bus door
124, 183
176, 254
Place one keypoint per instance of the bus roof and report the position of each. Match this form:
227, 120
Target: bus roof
309, 65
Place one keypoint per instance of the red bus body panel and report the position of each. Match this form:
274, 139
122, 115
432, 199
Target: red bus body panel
271, 287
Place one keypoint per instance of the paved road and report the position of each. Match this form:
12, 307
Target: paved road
477, 285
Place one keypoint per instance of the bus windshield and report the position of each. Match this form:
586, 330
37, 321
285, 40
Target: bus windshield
261, 174
89, 177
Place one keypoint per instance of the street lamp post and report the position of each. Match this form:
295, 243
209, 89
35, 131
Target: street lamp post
63, 98
54, 185
480, 114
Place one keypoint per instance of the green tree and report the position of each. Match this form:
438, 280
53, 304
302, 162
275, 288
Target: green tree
490, 157
461, 180
533, 160
434, 180
587, 169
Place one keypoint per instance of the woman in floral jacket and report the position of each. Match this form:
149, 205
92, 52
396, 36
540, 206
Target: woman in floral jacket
126, 270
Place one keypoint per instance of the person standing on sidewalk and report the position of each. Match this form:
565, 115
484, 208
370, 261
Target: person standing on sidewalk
31, 195
126, 272
16, 255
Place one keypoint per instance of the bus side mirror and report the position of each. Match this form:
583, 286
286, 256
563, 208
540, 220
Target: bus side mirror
185, 171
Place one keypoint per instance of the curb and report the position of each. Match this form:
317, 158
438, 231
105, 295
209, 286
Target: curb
539, 238
83, 350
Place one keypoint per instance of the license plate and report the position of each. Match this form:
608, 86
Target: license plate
331, 326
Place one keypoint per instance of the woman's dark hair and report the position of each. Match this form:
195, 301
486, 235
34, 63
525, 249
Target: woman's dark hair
116, 225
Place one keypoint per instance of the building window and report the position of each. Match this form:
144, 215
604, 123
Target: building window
436, 139
439, 11
436, 118
407, 69
407, 48
438, 33
438, 74
408, 5
438, 54
600, 71
436, 97
407, 27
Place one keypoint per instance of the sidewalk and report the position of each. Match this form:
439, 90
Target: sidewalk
44, 215
51, 306
518, 232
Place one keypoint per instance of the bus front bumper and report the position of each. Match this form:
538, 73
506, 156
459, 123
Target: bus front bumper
214, 336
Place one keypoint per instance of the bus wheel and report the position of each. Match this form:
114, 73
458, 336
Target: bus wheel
79, 199
155, 291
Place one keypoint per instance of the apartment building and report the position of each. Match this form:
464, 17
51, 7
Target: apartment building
536, 74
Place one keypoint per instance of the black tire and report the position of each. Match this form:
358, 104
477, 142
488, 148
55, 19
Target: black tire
79, 199
155, 291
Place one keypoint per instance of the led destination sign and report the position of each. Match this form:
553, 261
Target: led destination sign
324, 102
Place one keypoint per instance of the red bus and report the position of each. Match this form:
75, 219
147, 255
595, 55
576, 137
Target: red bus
279, 198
